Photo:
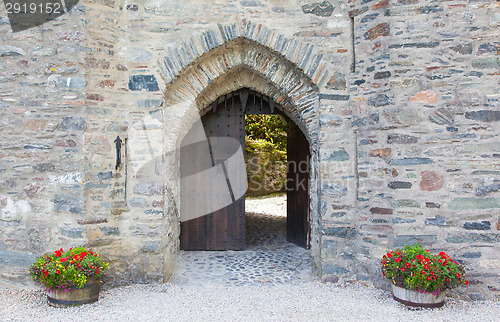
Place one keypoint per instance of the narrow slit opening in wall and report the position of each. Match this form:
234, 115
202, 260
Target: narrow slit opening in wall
353, 46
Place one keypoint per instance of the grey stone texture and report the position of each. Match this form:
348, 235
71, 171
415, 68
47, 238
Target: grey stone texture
411, 88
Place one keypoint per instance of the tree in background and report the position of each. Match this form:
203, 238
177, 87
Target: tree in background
265, 137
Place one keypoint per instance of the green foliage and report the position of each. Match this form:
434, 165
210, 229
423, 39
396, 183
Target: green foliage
60, 271
416, 269
267, 131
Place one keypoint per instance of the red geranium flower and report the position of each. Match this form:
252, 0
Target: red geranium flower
458, 274
426, 266
403, 269
447, 279
398, 259
389, 255
429, 278
408, 265
466, 282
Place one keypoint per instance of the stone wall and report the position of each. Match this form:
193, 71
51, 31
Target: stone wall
425, 106
398, 99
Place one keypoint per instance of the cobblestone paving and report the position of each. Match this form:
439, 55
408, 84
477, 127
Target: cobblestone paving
268, 257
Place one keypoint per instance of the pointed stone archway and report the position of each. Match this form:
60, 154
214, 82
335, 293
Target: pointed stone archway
234, 57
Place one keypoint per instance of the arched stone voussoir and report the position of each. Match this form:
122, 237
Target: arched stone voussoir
243, 63
301, 55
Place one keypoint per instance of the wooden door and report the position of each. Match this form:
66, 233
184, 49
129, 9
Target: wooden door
298, 214
223, 229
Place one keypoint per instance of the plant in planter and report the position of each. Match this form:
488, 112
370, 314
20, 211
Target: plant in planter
70, 278
420, 278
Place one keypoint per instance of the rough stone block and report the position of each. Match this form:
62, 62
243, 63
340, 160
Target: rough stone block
72, 82
381, 152
105, 175
341, 232
442, 116
432, 205
470, 238
474, 203
380, 4
139, 55
338, 155
483, 225
371, 119
149, 103
405, 203
334, 190
143, 82
411, 161
44, 167
464, 49
424, 240
334, 269
472, 255
399, 220
400, 185
476, 296
67, 203
369, 17
337, 82
149, 189
72, 232
320, 9
66, 143
401, 139
151, 247
484, 190
72, 123
486, 63
381, 211
431, 181
380, 30
483, 115
431, 9
110, 231
489, 48
382, 75
11, 51
439, 221
10, 258
95, 97
37, 146
428, 96
430, 44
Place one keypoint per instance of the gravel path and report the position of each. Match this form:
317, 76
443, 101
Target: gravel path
205, 287
308, 301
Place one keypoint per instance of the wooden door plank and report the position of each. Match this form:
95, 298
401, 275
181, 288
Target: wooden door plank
298, 221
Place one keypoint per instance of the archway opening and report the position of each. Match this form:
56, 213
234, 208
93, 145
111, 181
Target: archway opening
223, 227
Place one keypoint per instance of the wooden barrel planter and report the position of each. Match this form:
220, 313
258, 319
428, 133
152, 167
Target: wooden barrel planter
89, 293
417, 299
